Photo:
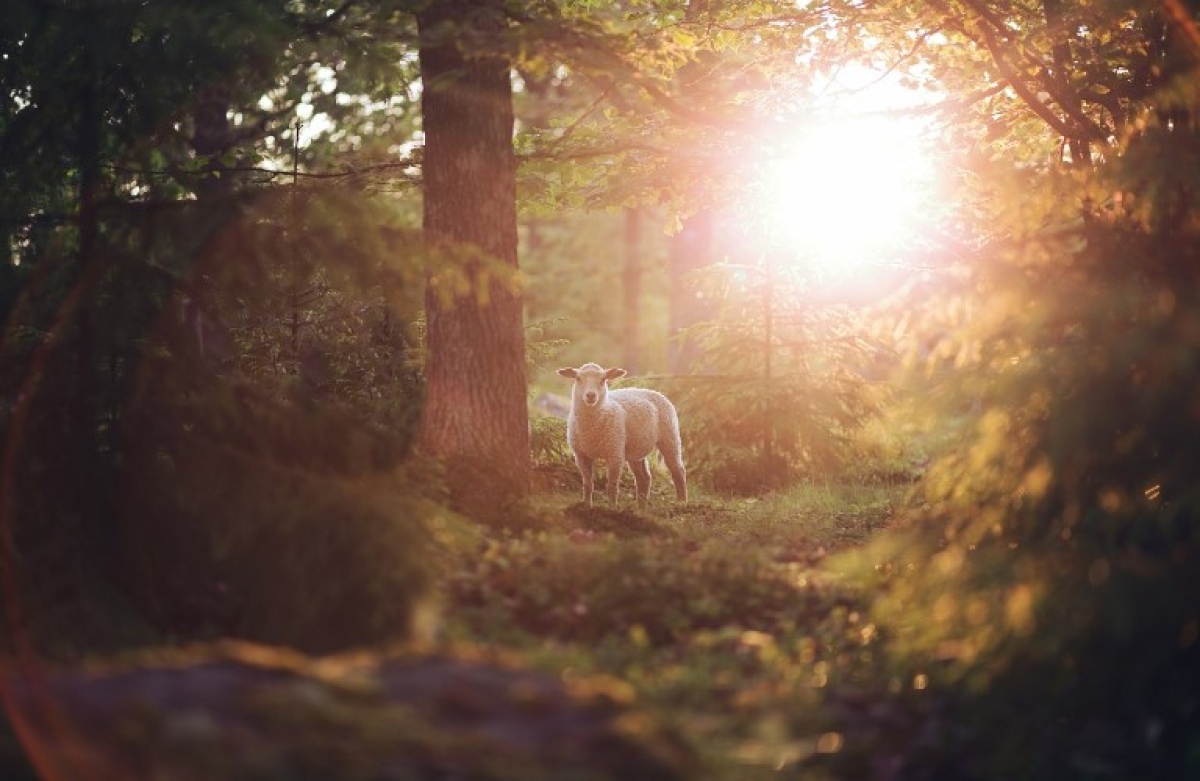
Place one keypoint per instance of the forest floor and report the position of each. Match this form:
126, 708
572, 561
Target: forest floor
715, 639
729, 619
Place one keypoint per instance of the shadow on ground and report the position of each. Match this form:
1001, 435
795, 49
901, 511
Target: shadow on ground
623, 524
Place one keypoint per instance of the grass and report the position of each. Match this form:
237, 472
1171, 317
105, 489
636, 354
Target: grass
722, 616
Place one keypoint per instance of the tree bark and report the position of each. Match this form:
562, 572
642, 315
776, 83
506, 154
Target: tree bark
475, 418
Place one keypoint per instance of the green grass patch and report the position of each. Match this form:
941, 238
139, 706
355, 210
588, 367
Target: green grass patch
720, 614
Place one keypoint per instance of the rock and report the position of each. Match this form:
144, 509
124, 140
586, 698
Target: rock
238, 711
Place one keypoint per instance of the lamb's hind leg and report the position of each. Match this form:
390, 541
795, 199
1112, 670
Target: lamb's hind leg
642, 479
672, 453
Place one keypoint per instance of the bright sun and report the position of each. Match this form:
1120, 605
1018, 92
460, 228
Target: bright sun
846, 194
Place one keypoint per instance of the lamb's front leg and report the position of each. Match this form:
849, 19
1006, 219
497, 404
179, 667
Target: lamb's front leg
642, 479
584, 464
615, 463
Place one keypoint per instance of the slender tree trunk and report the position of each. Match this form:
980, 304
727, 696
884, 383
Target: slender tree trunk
83, 419
690, 250
475, 417
631, 283
212, 136
89, 170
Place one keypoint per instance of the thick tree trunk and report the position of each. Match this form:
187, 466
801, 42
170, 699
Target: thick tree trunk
475, 417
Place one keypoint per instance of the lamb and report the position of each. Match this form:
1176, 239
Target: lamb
621, 425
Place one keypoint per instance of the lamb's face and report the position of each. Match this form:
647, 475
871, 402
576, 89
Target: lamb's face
591, 386
591, 382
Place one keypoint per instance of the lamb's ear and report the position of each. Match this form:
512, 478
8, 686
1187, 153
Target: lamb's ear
570, 374
614, 373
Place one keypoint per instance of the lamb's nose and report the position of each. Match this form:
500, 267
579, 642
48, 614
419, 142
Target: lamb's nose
590, 398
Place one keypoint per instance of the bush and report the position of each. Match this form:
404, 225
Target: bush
229, 379
779, 393
1049, 580
265, 486
549, 440
261, 519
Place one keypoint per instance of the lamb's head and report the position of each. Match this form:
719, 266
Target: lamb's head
591, 382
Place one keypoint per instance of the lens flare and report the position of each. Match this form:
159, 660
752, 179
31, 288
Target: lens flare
838, 197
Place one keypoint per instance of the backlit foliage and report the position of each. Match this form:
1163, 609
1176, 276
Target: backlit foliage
1047, 578
780, 390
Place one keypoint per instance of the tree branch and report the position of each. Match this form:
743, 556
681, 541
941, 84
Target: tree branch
1074, 125
271, 173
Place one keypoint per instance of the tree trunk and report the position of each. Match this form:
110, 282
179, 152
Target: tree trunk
82, 426
475, 418
213, 136
631, 283
690, 251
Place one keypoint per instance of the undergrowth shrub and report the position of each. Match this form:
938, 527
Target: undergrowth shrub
197, 415
256, 517
261, 430
780, 391
548, 435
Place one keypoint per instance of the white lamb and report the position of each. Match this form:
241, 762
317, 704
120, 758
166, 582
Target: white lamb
621, 425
